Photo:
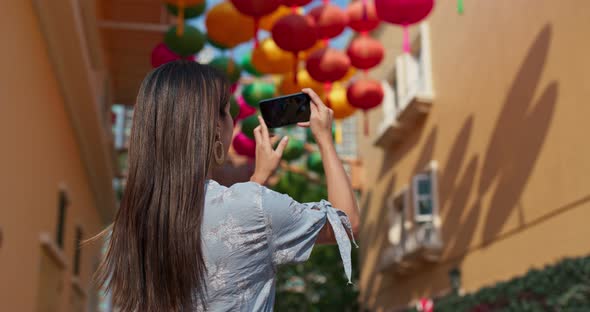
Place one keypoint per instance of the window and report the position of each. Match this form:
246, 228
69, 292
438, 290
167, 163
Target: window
77, 251
399, 213
62, 206
425, 199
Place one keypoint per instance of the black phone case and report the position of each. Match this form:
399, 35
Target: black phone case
286, 110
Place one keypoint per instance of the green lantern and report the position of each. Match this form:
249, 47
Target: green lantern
293, 184
190, 42
189, 11
247, 65
227, 65
294, 149
314, 193
314, 162
234, 108
249, 124
258, 91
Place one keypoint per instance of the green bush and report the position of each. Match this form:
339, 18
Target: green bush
561, 287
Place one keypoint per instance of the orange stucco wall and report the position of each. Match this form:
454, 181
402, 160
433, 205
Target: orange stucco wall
509, 131
38, 152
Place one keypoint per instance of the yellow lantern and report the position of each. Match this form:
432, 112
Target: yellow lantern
268, 58
268, 21
228, 27
351, 72
304, 80
339, 103
342, 109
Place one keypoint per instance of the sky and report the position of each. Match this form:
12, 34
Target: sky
339, 42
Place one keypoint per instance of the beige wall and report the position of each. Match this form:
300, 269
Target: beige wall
509, 131
39, 151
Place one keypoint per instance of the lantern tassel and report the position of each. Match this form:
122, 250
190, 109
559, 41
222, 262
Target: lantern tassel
295, 67
327, 89
366, 122
460, 7
406, 39
256, 25
338, 136
180, 22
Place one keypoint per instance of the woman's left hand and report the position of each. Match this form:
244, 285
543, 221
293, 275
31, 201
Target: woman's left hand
267, 158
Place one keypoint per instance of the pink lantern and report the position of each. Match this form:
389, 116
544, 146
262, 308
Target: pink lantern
244, 146
245, 109
403, 13
161, 54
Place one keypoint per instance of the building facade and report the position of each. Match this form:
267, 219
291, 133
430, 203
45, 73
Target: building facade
476, 168
57, 160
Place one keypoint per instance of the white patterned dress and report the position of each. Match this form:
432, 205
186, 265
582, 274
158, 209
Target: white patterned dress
248, 231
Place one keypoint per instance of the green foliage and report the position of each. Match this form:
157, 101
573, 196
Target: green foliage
320, 283
561, 287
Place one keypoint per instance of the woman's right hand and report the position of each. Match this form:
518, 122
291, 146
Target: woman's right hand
320, 120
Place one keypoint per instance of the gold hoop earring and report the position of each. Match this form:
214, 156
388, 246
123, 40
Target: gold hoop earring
219, 153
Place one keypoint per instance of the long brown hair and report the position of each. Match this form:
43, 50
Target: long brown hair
154, 260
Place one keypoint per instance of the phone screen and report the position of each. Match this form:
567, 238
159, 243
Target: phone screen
286, 110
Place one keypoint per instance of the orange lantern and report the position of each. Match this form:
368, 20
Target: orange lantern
304, 80
228, 27
268, 58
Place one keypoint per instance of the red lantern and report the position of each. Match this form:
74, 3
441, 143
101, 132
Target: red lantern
294, 33
403, 13
362, 16
161, 54
295, 3
256, 9
327, 65
330, 20
365, 52
365, 94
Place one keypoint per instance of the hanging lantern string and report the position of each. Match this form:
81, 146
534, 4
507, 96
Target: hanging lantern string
338, 136
366, 122
256, 25
295, 67
406, 39
365, 14
460, 7
180, 21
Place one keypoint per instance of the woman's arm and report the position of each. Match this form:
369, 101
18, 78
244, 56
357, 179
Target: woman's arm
340, 192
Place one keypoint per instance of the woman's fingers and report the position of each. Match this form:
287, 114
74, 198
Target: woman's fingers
315, 98
282, 145
263, 130
303, 124
258, 136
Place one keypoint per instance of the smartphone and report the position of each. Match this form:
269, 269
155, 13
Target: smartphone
286, 110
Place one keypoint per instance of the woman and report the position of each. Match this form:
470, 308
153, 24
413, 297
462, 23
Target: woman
182, 242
